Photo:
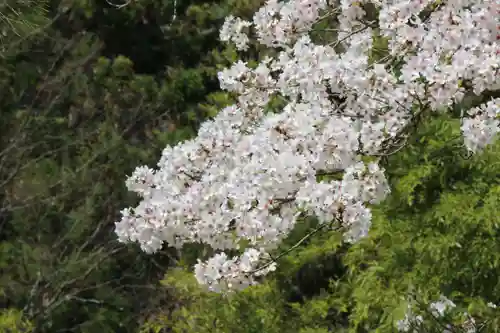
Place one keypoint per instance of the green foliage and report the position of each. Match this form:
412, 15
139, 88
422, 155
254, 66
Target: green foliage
11, 321
20, 20
201, 311
84, 101
436, 234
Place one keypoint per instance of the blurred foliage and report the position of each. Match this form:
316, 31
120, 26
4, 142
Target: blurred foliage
12, 321
88, 92
20, 20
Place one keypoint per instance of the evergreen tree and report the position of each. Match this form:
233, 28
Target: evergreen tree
80, 107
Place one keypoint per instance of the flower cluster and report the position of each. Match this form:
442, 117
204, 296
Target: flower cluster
221, 273
413, 323
232, 30
482, 125
250, 174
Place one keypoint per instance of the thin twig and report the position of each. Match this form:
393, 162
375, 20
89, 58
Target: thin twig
119, 6
302, 240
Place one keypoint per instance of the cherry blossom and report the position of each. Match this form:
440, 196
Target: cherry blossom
252, 175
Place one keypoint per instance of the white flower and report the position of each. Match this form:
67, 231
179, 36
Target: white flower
232, 30
439, 307
249, 174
